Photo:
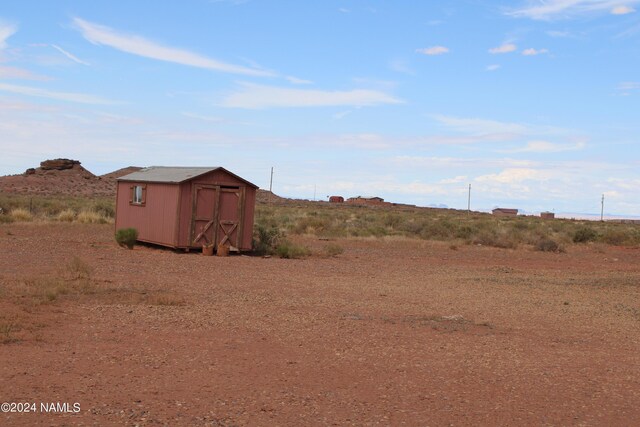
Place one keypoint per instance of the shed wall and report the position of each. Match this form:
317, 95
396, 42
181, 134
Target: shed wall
155, 220
249, 212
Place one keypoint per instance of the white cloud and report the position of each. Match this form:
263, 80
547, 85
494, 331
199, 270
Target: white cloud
401, 66
622, 10
19, 73
449, 163
455, 180
493, 130
492, 67
136, 45
210, 119
344, 10
342, 114
558, 34
69, 55
481, 126
297, 81
505, 48
434, 50
61, 96
548, 147
255, 96
6, 31
515, 175
629, 86
533, 52
555, 9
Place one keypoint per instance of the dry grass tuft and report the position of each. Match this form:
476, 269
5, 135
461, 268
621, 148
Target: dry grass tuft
67, 215
92, 217
21, 215
333, 249
6, 332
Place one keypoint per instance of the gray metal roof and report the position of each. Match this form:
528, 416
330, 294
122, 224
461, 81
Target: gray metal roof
167, 174
174, 174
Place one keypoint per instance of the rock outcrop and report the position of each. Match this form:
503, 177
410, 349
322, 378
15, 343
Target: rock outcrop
58, 164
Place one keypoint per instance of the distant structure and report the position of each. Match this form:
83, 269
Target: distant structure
187, 207
336, 199
368, 201
505, 212
625, 221
547, 215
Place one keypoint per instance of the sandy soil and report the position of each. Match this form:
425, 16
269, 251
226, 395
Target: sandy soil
391, 332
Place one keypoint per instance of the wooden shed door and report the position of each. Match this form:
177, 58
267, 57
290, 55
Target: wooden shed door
230, 217
205, 205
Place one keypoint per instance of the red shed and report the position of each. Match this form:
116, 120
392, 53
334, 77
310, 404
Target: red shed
336, 199
186, 207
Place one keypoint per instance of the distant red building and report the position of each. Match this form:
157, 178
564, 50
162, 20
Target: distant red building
371, 201
336, 199
505, 212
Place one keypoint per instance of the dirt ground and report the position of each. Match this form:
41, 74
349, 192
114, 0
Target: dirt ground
391, 332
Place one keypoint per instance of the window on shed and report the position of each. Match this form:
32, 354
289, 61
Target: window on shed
138, 194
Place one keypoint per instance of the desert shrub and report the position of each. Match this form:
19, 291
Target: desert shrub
548, 245
79, 269
312, 224
90, 217
333, 249
104, 208
392, 220
584, 234
438, 230
67, 215
377, 231
464, 232
289, 250
496, 238
411, 227
126, 237
6, 219
20, 214
266, 239
614, 236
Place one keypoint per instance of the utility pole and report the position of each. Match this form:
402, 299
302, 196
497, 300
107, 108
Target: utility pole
602, 209
314, 192
469, 200
271, 185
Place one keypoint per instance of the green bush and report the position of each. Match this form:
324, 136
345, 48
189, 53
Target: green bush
584, 234
126, 237
266, 239
289, 250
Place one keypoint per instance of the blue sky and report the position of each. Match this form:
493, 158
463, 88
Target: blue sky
536, 104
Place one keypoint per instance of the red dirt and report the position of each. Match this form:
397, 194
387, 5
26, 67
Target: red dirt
391, 332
